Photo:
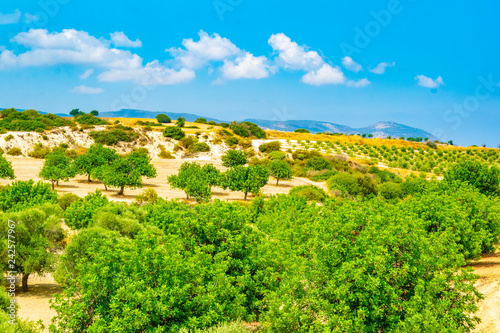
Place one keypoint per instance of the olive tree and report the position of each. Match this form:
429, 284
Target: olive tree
56, 167
196, 180
37, 235
128, 171
96, 156
245, 179
280, 170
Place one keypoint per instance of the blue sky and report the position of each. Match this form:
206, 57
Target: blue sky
432, 65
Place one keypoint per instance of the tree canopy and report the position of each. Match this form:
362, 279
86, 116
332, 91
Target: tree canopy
56, 167
245, 179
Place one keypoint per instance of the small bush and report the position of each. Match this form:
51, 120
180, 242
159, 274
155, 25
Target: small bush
9, 137
310, 192
67, 199
44, 137
15, 151
199, 147
231, 141
301, 130
174, 132
318, 163
148, 196
390, 191
270, 147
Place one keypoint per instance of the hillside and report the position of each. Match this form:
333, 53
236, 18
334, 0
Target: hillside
381, 129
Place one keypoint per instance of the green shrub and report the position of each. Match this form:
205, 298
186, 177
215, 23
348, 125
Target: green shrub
270, 147
199, 147
276, 155
9, 137
111, 137
231, 141
310, 192
390, 190
22, 194
234, 158
15, 151
67, 199
80, 213
483, 177
301, 130
352, 184
90, 119
30, 120
174, 132
163, 119
318, 163
247, 129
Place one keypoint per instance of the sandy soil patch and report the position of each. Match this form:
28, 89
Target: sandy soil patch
488, 268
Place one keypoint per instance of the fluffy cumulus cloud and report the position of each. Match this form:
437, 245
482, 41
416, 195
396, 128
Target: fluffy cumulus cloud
427, 82
10, 18
79, 48
197, 54
380, 69
351, 65
246, 67
293, 56
119, 39
86, 90
358, 84
325, 75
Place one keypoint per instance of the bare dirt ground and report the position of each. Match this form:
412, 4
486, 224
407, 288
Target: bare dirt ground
28, 168
488, 268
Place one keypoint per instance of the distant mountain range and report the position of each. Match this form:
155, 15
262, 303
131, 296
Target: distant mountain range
381, 129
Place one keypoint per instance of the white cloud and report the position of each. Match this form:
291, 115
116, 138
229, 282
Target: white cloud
11, 18
358, 84
67, 47
86, 74
292, 56
325, 75
427, 82
119, 39
380, 69
351, 65
152, 74
28, 18
246, 67
79, 48
195, 55
86, 90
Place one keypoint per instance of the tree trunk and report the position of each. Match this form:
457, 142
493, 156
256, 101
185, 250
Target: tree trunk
25, 282
105, 187
246, 193
121, 190
57, 182
53, 185
277, 181
90, 180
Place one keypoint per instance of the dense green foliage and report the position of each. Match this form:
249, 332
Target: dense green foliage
29, 120
310, 192
280, 170
234, 158
6, 171
247, 129
38, 235
245, 179
80, 213
163, 119
95, 157
112, 136
56, 167
486, 179
23, 194
90, 119
174, 132
196, 180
